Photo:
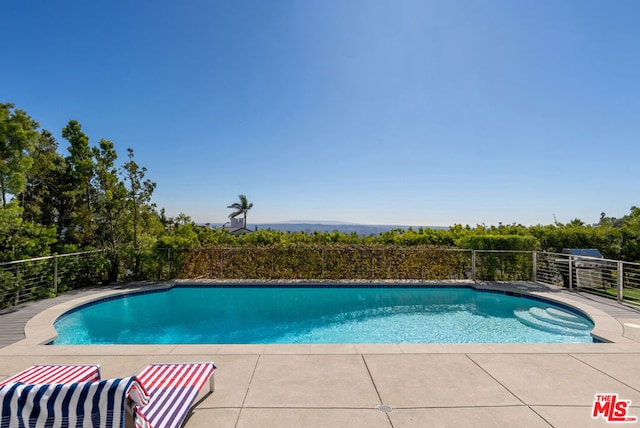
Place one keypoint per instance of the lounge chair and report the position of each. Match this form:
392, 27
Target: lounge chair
101, 404
173, 389
56, 373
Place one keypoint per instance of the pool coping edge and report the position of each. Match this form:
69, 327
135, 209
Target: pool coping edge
39, 330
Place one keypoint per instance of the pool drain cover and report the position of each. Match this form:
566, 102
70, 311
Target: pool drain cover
384, 408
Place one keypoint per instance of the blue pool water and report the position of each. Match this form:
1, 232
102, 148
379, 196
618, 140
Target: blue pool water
188, 315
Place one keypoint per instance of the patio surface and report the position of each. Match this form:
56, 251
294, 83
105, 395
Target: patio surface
442, 385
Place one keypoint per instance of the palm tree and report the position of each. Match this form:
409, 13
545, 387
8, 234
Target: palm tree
241, 208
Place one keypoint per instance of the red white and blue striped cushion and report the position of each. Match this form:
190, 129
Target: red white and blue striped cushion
50, 373
84, 404
172, 388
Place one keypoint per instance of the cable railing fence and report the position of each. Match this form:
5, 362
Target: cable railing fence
611, 278
502, 265
43, 277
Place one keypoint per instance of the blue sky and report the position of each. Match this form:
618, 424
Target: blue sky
382, 112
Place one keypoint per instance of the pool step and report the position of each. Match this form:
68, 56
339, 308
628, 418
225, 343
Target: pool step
561, 318
553, 320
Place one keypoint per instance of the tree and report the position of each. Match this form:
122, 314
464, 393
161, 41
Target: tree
21, 239
241, 208
182, 220
630, 231
18, 135
139, 194
43, 199
110, 204
576, 222
82, 169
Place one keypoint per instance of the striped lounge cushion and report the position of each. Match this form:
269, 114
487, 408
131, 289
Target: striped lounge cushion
172, 389
85, 404
57, 374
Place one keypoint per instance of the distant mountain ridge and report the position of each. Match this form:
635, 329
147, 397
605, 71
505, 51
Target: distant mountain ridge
324, 226
316, 222
358, 229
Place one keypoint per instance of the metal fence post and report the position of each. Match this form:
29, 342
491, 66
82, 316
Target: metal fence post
535, 267
55, 275
570, 272
620, 281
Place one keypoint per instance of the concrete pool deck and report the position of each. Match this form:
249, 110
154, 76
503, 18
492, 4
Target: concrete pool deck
448, 385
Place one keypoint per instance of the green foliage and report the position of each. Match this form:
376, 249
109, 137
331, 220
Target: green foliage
43, 199
8, 285
18, 135
71, 203
81, 271
110, 213
493, 263
422, 236
499, 242
323, 261
19, 238
139, 192
81, 192
184, 236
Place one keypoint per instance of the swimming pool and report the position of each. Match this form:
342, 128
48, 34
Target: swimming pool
330, 315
